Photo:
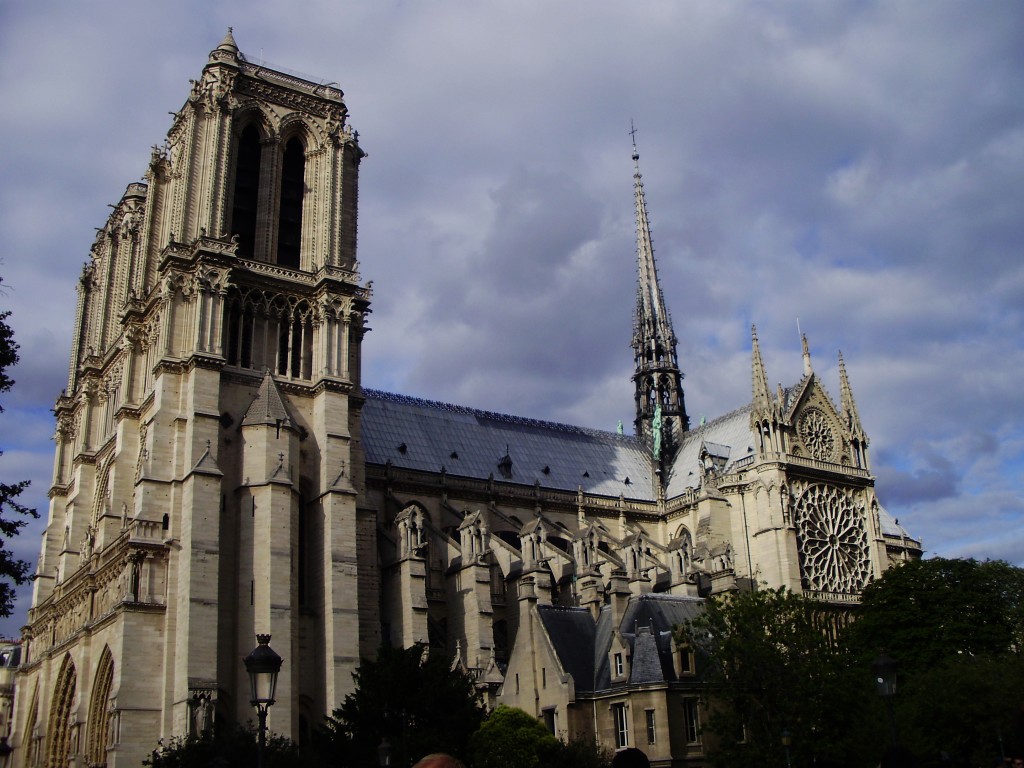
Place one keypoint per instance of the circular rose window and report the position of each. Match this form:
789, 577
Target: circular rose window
816, 433
832, 540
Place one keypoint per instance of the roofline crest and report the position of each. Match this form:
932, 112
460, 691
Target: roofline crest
495, 416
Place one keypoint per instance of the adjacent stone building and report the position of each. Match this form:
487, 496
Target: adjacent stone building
220, 471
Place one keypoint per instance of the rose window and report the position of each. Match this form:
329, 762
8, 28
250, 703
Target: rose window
816, 433
832, 541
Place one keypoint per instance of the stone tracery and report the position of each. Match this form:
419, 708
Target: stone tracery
832, 540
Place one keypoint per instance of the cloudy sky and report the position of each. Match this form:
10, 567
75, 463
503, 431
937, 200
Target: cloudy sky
856, 165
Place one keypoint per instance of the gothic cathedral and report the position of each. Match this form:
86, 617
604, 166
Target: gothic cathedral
220, 471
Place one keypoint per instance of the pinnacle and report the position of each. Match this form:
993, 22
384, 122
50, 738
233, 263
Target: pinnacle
227, 50
228, 43
760, 378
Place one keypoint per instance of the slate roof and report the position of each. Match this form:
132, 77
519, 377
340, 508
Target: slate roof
426, 435
890, 527
268, 407
572, 632
731, 431
582, 645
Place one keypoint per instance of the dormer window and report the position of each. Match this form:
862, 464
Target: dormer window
619, 666
685, 657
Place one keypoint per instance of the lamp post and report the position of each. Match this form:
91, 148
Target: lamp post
262, 664
384, 753
787, 739
884, 669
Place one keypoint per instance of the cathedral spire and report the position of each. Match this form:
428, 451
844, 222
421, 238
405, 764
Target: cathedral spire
660, 410
807, 355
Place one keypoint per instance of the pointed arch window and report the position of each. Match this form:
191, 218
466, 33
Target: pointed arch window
99, 715
293, 191
269, 331
29, 735
61, 716
247, 190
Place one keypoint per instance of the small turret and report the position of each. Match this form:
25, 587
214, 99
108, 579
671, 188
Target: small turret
228, 44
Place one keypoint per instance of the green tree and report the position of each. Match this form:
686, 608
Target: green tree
955, 628
13, 572
928, 611
772, 664
420, 706
512, 738
228, 747
581, 753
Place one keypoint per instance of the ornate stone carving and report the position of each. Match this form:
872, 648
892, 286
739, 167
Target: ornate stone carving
832, 540
817, 434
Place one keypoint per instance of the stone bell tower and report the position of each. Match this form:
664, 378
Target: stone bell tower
207, 460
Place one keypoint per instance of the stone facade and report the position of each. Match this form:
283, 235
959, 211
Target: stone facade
221, 472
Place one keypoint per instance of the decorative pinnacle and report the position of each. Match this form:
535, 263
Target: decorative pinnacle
762, 398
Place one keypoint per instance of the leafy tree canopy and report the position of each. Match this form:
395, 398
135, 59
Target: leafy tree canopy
955, 628
928, 611
771, 666
512, 738
228, 747
774, 662
12, 570
419, 705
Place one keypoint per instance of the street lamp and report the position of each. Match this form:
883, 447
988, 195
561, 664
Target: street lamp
262, 664
787, 739
884, 669
384, 753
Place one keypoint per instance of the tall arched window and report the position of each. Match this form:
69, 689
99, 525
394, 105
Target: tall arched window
58, 735
293, 190
99, 717
30, 743
247, 190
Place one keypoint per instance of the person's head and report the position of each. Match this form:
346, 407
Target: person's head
631, 757
439, 760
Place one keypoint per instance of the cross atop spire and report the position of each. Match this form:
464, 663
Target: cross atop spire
657, 377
